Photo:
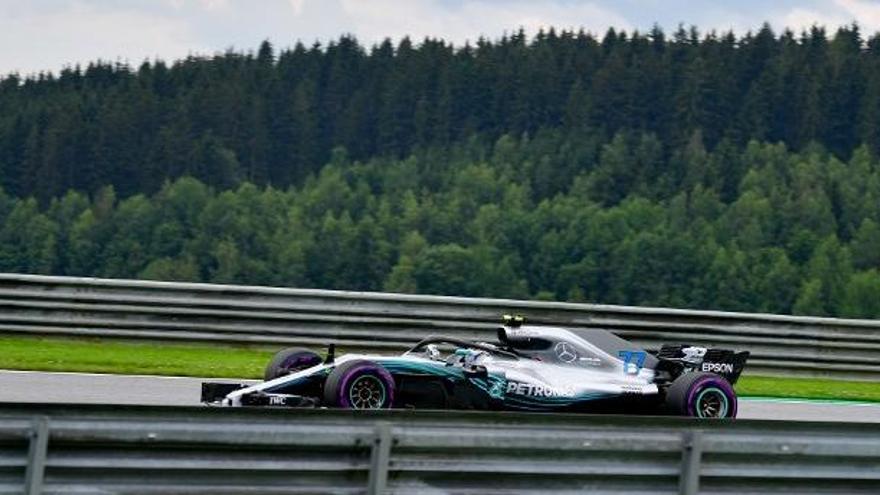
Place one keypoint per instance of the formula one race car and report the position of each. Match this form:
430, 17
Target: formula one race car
531, 368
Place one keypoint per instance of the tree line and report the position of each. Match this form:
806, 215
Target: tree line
563, 214
273, 117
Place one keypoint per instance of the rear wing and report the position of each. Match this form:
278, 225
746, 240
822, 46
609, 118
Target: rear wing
724, 362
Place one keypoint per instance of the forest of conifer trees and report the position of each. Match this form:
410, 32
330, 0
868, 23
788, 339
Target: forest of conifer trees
691, 170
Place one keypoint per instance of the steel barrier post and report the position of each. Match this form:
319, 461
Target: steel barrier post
39, 443
692, 451
380, 457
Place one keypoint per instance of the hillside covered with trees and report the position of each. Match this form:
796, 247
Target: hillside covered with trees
690, 171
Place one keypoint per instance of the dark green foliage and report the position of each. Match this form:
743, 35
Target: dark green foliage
478, 228
707, 172
274, 116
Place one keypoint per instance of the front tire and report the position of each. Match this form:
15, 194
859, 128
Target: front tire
289, 361
359, 384
701, 395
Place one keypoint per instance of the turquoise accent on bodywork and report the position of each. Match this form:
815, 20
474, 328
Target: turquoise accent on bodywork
497, 389
495, 384
422, 369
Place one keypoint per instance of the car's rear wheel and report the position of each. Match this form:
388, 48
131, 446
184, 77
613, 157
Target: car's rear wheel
702, 395
359, 384
289, 361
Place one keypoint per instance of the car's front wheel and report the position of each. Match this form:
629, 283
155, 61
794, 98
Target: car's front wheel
289, 361
701, 395
359, 384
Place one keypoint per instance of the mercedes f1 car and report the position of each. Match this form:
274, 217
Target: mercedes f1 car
529, 368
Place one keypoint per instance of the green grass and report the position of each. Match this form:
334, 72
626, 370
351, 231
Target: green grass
808, 388
216, 361
132, 358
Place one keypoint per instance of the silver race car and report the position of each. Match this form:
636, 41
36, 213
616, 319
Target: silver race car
529, 368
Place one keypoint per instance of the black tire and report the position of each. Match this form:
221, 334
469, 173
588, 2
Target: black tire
359, 384
701, 395
289, 360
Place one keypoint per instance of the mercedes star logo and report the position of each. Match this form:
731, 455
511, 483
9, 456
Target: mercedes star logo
565, 352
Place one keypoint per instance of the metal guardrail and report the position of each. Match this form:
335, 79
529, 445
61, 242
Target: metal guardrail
107, 450
33, 304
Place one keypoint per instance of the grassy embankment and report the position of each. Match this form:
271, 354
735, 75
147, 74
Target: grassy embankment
94, 356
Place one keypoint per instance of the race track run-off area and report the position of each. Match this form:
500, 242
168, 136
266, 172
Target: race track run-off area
83, 388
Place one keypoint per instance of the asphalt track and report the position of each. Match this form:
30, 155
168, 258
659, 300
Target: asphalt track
82, 388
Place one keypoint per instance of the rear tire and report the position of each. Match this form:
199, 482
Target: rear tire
359, 384
701, 395
289, 361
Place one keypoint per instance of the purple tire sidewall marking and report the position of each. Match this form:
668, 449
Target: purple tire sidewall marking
300, 361
360, 370
709, 381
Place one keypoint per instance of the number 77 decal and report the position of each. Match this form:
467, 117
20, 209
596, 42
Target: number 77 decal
632, 361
